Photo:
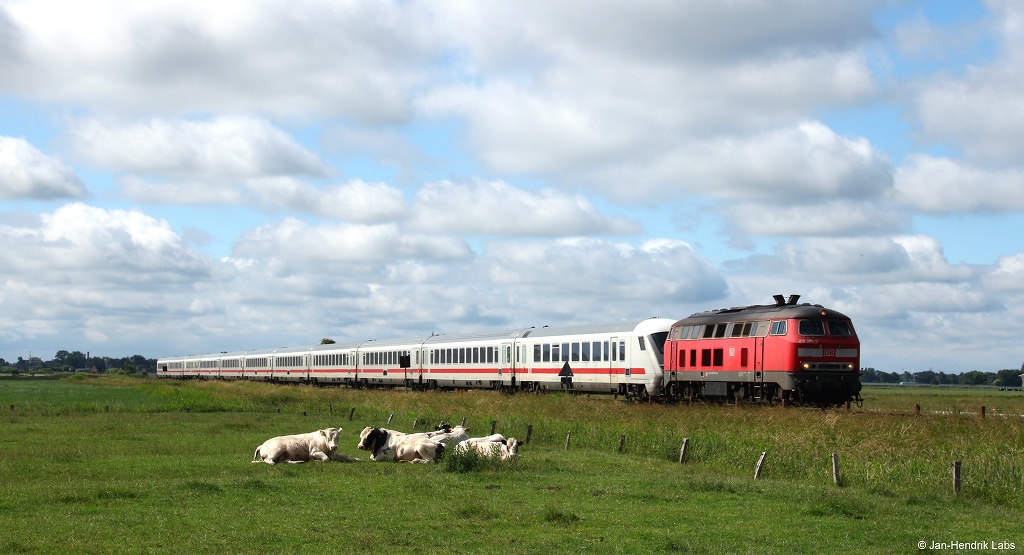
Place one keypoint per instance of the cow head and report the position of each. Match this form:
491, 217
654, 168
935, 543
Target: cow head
444, 427
330, 436
513, 447
372, 439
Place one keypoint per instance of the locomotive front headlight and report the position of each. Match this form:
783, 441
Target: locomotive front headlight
807, 366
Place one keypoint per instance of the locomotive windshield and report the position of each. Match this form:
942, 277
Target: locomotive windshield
658, 340
840, 328
812, 327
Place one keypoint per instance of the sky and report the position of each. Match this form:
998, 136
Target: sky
186, 177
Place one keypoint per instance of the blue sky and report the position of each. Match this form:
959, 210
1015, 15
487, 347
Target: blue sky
180, 177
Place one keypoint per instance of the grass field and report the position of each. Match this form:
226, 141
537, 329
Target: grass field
114, 465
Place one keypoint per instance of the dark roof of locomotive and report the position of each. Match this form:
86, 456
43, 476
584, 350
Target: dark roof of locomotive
759, 312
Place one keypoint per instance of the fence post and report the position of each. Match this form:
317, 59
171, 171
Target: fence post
956, 477
981, 412
390, 416
567, 437
622, 442
760, 463
463, 422
414, 421
351, 414
835, 469
682, 450
330, 408
494, 424
529, 432
917, 409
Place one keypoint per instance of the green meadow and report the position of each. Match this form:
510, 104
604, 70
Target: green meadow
132, 465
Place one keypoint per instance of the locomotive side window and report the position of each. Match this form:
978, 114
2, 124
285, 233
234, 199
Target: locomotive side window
779, 327
693, 357
682, 358
811, 327
719, 359
839, 327
705, 357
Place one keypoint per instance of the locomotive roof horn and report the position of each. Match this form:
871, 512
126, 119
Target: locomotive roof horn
782, 301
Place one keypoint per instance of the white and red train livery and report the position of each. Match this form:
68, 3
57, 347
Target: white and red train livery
780, 352
624, 358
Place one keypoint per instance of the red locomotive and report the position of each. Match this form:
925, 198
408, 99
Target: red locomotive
781, 352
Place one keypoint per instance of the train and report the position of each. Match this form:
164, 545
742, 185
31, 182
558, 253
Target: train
800, 353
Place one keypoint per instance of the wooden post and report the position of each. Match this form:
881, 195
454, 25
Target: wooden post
567, 437
835, 469
494, 424
414, 421
330, 408
390, 416
529, 432
682, 450
760, 463
622, 442
981, 412
847, 406
463, 422
917, 409
956, 477
351, 413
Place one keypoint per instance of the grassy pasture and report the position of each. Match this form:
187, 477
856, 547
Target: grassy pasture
117, 465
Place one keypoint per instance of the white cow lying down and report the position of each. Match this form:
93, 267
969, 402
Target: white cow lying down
504, 450
321, 445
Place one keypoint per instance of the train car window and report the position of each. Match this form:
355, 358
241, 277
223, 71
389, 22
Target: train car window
718, 358
705, 357
547, 352
643, 344
811, 327
585, 354
605, 352
555, 353
597, 351
622, 350
536, 353
720, 330
575, 352
839, 328
737, 330
565, 352
615, 352
709, 332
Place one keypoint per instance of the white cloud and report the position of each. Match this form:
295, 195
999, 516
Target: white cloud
497, 208
944, 185
358, 60
831, 218
979, 111
221, 148
27, 173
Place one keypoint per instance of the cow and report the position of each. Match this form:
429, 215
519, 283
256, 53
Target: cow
487, 439
503, 450
450, 435
320, 445
390, 445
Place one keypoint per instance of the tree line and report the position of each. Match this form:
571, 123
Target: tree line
71, 361
1002, 378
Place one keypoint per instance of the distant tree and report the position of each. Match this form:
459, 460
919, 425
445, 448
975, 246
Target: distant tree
975, 377
327, 341
925, 377
1008, 378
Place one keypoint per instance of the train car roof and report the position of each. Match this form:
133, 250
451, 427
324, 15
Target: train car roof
768, 311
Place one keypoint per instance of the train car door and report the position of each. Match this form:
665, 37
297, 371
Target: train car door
612, 356
507, 367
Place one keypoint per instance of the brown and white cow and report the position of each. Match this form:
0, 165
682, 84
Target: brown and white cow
320, 445
390, 445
